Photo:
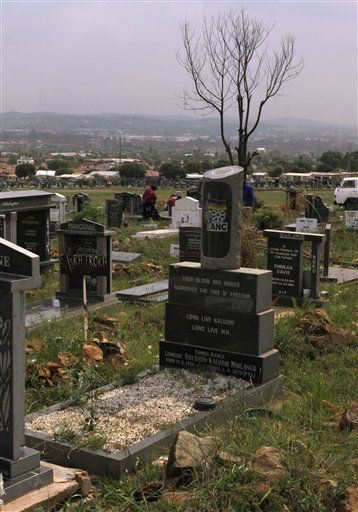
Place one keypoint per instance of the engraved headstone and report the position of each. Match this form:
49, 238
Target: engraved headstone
19, 270
305, 225
190, 244
114, 211
351, 219
285, 260
85, 248
221, 225
219, 316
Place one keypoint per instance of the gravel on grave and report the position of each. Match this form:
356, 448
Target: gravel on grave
128, 414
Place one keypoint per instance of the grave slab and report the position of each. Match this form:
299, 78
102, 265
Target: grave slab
114, 465
139, 292
125, 257
63, 486
341, 275
156, 233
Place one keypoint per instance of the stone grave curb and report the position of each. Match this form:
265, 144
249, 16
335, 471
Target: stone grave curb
115, 464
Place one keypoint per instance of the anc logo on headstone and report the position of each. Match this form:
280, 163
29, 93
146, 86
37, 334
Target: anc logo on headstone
216, 216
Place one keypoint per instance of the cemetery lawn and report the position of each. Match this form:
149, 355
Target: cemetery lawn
155, 259
321, 378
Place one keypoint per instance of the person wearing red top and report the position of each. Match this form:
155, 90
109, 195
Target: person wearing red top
148, 204
171, 202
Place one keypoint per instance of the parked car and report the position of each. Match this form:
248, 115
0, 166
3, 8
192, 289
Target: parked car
347, 188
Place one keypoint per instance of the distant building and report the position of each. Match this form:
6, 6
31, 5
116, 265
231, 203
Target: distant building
25, 160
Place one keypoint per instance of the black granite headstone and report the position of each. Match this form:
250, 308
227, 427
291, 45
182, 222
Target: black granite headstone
2, 226
190, 244
219, 316
316, 209
85, 249
351, 204
285, 259
114, 210
20, 466
33, 232
221, 225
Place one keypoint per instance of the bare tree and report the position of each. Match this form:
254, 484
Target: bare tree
231, 68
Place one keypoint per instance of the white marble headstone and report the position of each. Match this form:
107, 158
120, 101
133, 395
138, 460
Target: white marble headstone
186, 213
351, 220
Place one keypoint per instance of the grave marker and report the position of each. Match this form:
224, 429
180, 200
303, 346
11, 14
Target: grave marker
351, 219
316, 209
285, 260
85, 249
114, 209
190, 244
19, 271
80, 200
305, 225
218, 317
221, 236
186, 212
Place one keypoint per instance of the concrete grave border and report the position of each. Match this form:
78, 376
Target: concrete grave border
116, 463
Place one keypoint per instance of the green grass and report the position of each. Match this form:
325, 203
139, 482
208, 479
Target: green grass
301, 430
139, 328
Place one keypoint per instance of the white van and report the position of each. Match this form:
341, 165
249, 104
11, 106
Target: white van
347, 188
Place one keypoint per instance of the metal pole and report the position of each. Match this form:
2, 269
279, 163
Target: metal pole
85, 308
327, 232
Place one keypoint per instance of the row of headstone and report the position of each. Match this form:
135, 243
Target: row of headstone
25, 220
132, 203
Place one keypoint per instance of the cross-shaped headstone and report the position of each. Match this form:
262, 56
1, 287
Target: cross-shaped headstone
19, 271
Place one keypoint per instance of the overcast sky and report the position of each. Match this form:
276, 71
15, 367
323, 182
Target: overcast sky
120, 57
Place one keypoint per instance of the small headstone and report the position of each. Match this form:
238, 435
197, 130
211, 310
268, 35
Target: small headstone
174, 250
291, 199
114, 211
351, 219
221, 238
186, 212
351, 204
190, 244
316, 209
285, 259
80, 200
305, 225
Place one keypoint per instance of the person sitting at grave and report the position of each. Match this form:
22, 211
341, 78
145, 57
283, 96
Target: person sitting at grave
248, 194
171, 202
148, 204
